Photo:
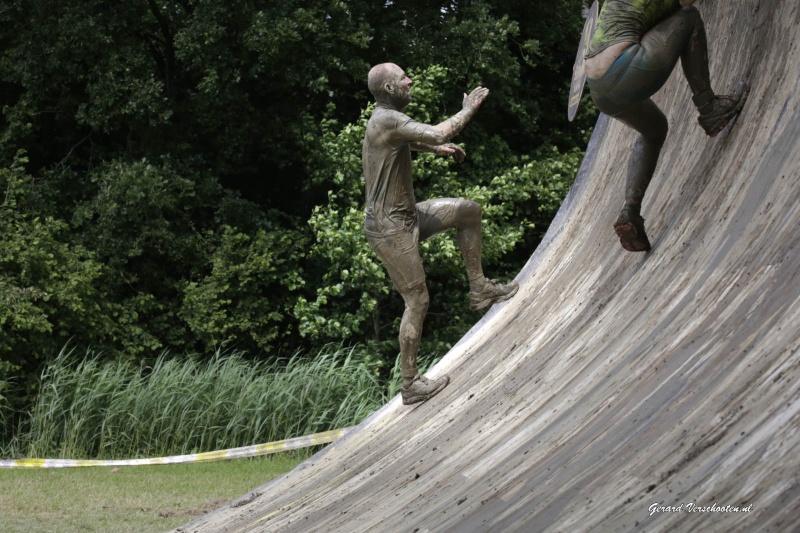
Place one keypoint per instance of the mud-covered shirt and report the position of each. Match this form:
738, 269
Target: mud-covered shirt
627, 20
386, 156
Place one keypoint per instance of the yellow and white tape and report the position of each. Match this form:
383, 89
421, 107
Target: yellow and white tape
232, 453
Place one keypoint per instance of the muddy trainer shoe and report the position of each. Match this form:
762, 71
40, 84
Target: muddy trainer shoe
717, 111
422, 389
491, 293
630, 230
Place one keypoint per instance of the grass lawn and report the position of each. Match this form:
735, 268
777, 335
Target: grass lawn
136, 499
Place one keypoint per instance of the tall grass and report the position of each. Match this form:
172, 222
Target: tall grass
6, 411
92, 408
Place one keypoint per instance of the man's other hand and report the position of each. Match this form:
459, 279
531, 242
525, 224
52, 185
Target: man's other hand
457, 152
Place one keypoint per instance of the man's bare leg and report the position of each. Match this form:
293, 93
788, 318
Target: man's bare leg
416, 388
467, 221
465, 216
399, 253
416, 307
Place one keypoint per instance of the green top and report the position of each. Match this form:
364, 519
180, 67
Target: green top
627, 20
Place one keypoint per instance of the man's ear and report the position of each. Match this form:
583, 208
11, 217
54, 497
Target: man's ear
388, 87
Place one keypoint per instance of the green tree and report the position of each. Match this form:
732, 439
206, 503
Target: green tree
48, 291
87, 80
176, 150
247, 295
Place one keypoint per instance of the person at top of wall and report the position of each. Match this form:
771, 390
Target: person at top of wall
635, 46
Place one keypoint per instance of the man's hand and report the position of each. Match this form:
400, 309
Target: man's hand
473, 100
444, 131
450, 148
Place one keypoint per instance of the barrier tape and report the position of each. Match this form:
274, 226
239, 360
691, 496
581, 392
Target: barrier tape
220, 455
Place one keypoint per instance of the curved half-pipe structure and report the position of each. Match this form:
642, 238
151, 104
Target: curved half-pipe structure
617, 391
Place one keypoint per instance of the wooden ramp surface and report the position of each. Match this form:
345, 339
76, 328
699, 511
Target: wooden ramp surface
613, 381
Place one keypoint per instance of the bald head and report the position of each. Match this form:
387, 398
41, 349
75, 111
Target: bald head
380, 75
389, 84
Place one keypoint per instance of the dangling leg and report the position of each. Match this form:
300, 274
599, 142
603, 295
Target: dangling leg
646, 118
442, 214
623, 92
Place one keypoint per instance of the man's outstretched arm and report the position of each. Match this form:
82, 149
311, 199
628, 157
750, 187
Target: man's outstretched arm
438, 135
452, 126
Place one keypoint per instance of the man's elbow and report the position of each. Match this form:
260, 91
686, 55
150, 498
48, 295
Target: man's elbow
438, 136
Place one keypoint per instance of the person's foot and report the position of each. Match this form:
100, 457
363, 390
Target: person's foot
491, 293
630, 230
422, 389
717, 111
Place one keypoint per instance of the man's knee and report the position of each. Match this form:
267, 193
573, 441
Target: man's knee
417, 299
660, 129
469, 211
692, 15
688, 15
657, 129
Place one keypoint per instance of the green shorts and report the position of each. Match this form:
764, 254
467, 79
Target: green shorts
642, 69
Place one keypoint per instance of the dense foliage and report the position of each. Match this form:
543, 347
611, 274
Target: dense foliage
186, 174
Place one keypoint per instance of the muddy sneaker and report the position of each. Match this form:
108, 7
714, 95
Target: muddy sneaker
422, 389
717, 111
630, 230
491, 293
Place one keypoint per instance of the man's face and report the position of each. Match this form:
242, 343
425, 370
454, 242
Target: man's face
401, 89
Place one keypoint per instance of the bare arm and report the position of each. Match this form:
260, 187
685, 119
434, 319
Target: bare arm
452, 126
422, 147
402, 127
